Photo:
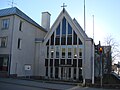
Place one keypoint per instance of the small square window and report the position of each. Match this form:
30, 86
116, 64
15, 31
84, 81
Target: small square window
20, 26
5, 23
3, 42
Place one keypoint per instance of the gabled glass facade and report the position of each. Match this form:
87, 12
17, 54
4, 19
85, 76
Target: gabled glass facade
64, 53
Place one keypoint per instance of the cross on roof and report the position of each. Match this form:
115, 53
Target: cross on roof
64, 5
12, 3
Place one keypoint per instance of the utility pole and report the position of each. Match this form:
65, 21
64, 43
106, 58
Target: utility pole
93, 54
84, 82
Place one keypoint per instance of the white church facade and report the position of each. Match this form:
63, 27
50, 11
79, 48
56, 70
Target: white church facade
62, 52
67, 50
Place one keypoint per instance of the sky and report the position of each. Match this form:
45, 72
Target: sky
106, 14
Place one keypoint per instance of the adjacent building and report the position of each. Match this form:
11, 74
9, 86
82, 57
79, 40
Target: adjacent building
18, 33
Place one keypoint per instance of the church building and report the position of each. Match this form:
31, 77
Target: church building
68, 51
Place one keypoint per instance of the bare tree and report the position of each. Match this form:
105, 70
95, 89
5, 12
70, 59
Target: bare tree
115, 49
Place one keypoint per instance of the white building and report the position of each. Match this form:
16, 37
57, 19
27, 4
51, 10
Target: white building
64, 52
17, 42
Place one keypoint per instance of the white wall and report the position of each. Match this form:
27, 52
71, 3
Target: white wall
26, 54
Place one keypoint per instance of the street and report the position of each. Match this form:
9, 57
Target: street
15, 84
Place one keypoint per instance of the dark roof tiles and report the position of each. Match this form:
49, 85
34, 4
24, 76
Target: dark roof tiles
16, 11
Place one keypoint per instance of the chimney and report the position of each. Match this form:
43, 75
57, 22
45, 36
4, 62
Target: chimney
46, 20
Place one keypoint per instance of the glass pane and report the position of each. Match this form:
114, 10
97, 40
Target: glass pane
56, 62
5, 23
80, 42
58, 30
46, 71
63, 40
74, 62
80, 53
69, 61
57, 51
75, 38
52, 39
69, 52
69, 29
62, 61
79, 62
46, 62
63, 51
47, 42
75, 51
57, 40
47, 51
51, 62
69, 40
56, 72
52, 51
64, 26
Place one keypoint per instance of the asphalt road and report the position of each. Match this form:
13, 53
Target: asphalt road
8, 86
15, 84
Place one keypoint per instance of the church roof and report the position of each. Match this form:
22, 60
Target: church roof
16, 11
73, 22
80, 28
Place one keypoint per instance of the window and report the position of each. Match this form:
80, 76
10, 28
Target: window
63, 40
69, 51
74, 74
51, 72
3, 63
74, 39
57, 40
52, 39
47, 51
5, 23
69, 29
47, 42
57, 51
56, 62
62, 61
69, 73
74, 62
80, 53
69, 61
63, 51
80, 42
79, 62
69, 40
75, 51
46, 71
51, 62
52, 51
19, 43
20, 26
64, 26
46, 62
56, 72
58, 30
3, 42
